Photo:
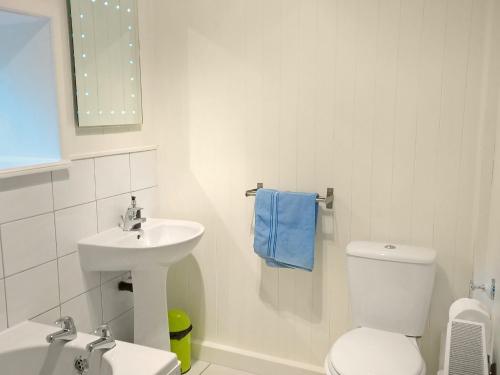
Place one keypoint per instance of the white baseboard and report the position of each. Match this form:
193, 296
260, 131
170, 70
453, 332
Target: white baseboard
256, 363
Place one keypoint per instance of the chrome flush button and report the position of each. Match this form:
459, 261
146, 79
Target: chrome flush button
390, 247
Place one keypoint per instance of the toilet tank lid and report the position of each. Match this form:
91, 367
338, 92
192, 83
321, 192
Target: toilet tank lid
391, 252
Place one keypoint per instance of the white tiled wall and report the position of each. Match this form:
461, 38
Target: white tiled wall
42, 219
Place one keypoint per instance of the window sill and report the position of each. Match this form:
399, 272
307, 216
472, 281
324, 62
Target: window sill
34, 168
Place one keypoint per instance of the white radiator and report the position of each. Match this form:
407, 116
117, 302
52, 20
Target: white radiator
465, 349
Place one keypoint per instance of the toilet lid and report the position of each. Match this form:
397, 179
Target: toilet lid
367, 351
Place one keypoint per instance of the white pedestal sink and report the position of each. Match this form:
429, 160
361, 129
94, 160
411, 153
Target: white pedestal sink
162, 243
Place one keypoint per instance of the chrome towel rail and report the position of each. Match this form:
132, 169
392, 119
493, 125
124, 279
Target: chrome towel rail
328, 200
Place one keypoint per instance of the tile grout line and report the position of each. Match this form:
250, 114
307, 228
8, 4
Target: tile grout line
4, 283
206, 368
55, 240
30, 268
97, 230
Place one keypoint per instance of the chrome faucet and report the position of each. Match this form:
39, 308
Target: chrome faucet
67, 333
132, 219
105, 342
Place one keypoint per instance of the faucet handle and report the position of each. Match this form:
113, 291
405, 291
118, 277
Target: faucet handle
66, 323
104, 331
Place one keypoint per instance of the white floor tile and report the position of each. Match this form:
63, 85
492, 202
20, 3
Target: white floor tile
221, 370
197, 367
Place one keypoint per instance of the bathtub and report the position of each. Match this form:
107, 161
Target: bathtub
24, 351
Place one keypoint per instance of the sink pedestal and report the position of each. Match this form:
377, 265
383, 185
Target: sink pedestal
150, 308
162, 243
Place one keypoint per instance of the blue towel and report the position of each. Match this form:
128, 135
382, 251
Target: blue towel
285, 228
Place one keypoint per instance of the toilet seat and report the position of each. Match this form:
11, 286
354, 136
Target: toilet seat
368, 351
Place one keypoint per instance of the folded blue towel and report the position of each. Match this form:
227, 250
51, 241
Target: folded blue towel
285, 228
265, 214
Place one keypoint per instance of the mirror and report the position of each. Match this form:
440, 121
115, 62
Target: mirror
106, 62
29, 117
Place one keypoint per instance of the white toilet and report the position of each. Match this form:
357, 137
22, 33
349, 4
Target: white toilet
390, 288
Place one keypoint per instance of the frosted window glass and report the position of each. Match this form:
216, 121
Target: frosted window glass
29, 126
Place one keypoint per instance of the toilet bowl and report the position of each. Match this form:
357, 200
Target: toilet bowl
390, 288
372, 351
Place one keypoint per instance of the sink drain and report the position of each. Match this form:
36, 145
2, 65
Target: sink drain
81, 365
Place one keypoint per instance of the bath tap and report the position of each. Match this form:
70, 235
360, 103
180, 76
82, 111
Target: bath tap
105, 342
67, 333
132, 219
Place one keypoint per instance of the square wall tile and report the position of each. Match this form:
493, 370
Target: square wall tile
86, 310
112, 175
115, 302
25, 196
48, 317
109, 211
3, 307
75, 185
32, 292
28, 243
143, 169
123, 326
148, 200
74, 224
72, 279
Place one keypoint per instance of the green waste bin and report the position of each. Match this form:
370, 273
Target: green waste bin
180, 337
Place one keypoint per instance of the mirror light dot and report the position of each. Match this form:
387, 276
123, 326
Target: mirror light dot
131, 78
112, 112
81, 15
130, 45
93, 1
88, 112
132, 95
123, 112
85, 75
83, 35
118, 7
131, 61
130, 27
100, 112
129, 10
106, 3
86, 93
84, 55
133, 112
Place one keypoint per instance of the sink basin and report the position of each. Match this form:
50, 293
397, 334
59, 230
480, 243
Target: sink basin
148, 254
162, 243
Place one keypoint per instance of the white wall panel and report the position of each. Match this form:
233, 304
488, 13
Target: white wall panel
377, 99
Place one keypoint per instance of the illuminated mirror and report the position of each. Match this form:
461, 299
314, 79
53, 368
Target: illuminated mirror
29, 120
106, 62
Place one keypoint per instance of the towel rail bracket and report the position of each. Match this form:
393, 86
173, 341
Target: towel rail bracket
328, 199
